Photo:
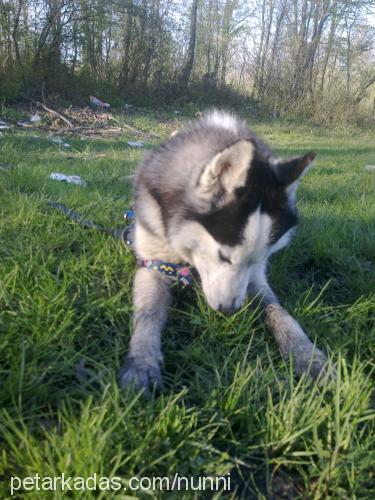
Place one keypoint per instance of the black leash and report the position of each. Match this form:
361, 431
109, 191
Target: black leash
124, 234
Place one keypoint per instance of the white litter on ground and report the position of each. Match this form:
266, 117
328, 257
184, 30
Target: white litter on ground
136, 144
3, 125
58, 140
35, 118
98, 102
370, 168
70, 179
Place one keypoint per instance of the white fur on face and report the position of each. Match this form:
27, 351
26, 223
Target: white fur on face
225, 284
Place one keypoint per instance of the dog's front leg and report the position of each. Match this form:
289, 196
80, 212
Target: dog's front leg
151, 298
289, 336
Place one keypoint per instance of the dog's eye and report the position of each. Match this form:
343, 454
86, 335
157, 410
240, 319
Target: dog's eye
224, 259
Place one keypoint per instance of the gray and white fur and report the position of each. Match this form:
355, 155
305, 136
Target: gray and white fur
214, 196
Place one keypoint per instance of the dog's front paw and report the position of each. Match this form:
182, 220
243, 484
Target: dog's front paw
139, 374
312, 361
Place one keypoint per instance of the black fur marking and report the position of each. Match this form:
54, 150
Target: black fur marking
289, 171
262, 189
226, 224
285, 220
166, 201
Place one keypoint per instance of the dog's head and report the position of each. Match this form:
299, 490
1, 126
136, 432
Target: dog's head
251, 214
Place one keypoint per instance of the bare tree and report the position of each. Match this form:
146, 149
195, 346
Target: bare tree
285, 53
188, 66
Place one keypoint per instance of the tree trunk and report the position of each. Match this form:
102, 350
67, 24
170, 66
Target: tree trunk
188, 67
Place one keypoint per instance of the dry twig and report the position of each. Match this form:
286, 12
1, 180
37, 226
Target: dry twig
51, 111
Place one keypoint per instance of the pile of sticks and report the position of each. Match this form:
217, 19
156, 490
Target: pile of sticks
84, 122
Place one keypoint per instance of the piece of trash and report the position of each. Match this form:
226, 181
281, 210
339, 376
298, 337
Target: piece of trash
136, 144
128, 106
173, 134
58, 140
35, 118
176, 112
3, 125
98, 103
70, 179
370, 168
24, 124
29, 123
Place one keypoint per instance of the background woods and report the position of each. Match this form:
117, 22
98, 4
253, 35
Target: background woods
310, 56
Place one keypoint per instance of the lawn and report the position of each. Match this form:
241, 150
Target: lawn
231, 405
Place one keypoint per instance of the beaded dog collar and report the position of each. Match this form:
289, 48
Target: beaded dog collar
177, 272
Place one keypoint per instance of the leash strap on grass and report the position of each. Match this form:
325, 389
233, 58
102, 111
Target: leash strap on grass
180, 273
124, 234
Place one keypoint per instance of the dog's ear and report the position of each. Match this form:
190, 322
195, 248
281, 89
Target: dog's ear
227, 170
290, 171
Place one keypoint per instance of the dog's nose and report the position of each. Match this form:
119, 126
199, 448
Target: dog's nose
230, 309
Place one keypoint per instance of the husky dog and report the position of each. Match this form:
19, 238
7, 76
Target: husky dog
213, 196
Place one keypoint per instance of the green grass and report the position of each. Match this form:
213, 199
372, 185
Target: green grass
231, 404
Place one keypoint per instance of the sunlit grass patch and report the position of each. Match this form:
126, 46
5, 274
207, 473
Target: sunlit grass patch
231, 404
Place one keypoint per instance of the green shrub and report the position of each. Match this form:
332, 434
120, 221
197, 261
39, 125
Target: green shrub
10, 84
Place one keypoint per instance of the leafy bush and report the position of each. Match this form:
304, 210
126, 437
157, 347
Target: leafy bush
10, 84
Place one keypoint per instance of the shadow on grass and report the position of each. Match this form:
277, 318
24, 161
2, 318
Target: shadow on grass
334, 151
326, 249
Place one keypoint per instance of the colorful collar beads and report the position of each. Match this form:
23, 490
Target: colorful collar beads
180, 273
